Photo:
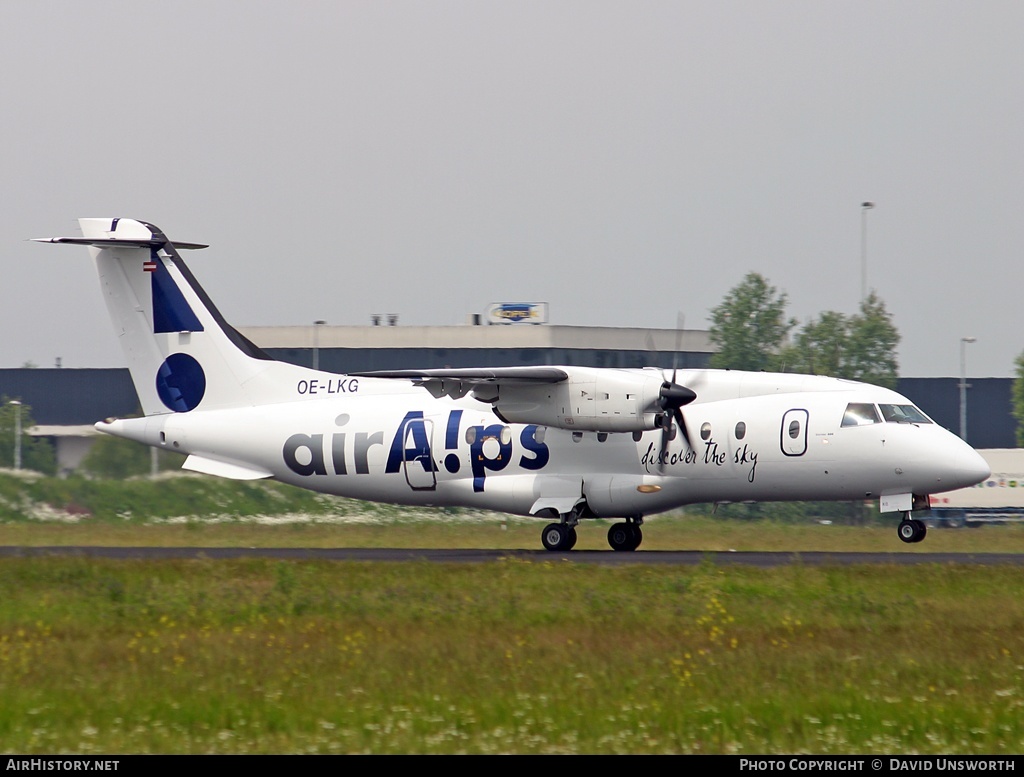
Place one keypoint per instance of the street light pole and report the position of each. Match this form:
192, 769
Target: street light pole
963, 385
864, 208
17, 433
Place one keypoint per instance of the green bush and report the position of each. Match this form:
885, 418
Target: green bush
116, 459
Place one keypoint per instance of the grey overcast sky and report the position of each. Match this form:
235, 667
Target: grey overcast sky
622, 161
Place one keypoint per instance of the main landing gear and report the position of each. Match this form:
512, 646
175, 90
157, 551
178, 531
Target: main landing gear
626, 535
911, 529
561, 536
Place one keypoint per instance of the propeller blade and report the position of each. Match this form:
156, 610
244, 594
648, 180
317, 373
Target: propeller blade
666, 430
679, 344
682, 427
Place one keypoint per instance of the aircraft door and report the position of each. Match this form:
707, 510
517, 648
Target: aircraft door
417, 461
794, 432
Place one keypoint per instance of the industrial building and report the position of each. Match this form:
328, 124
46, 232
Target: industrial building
65, 403
345, 349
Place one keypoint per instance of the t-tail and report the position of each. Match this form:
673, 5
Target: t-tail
181, 352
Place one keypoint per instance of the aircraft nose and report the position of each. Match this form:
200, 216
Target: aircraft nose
971, 467
948, 463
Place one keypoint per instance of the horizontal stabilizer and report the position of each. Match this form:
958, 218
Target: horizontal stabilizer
116, 242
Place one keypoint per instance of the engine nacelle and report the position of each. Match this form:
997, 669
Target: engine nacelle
591, 400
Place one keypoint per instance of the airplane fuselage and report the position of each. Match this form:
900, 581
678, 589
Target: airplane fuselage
379, 441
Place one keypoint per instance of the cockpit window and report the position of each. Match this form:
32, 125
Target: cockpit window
903, 414
860, 414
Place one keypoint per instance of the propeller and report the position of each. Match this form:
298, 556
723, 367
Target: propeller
672, 397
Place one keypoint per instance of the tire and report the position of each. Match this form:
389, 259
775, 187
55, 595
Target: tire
555, 536
624, 536
907, 531
922, 530
570, 538
638, 536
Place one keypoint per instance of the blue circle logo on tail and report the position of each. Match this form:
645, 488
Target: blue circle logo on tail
180, 382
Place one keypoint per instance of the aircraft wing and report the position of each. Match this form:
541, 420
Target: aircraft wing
483, 382
574, 398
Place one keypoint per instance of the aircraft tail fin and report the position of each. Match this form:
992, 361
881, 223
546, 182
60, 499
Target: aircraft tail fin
181, 352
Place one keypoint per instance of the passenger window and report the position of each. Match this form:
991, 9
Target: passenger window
903, 414
741, 430
860, 414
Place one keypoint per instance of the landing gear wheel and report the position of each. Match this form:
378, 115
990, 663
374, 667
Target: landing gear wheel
558, 536
570, 539
619, 536
638, 536
906, 531
911, 530
625, 536
922, 530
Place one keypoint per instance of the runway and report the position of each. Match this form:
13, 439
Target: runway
606, 558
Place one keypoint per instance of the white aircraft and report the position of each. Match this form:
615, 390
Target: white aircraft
561, 443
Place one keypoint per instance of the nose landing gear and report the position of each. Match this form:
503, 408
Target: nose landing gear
911, 529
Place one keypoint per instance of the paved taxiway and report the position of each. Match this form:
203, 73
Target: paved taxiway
605, 557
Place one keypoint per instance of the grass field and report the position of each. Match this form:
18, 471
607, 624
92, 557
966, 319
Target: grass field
261, 656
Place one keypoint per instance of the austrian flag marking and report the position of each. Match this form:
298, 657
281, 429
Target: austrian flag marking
149, 266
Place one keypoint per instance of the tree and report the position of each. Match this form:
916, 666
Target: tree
819, 348
871, 353
859, 347
36, 454
1018, 399
116, 458
749, 326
